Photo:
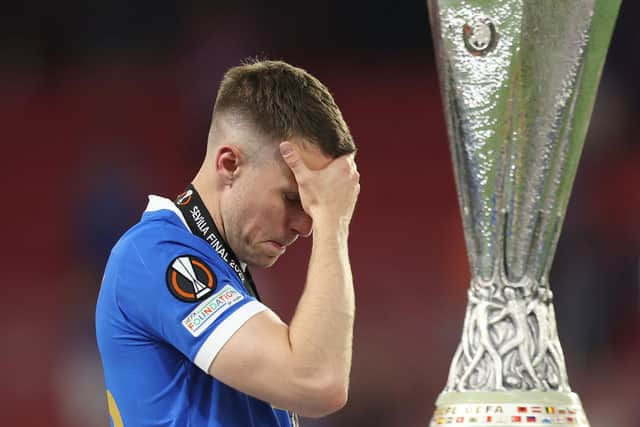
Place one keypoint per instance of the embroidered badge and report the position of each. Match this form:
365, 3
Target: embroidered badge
189, 279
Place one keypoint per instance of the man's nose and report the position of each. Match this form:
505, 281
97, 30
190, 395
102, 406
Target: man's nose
301, 223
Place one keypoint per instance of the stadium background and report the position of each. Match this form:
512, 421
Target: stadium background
104, 102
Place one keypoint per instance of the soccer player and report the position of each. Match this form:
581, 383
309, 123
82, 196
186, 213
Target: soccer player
183, 336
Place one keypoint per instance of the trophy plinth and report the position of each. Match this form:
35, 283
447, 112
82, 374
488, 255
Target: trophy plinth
518, 80
505, 408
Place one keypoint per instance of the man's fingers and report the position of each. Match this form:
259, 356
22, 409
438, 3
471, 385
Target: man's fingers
292, 158
352, 161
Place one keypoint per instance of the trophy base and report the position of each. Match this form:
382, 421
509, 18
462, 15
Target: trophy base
508, 409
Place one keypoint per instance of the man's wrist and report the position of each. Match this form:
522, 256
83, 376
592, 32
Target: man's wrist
331, 224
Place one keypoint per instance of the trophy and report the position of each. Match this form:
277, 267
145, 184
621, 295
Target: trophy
518, 81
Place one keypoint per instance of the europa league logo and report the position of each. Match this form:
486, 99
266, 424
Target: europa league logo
518, 80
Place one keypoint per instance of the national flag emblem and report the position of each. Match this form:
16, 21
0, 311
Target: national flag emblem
489, 418
550, 409
571, 420
531, 419
440, 420
460, 419
516, 419
536, 409
473, 420
522, 409
547, 421
571, 411
562, 411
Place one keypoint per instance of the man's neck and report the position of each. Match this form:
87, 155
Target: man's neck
211, 201
208, 200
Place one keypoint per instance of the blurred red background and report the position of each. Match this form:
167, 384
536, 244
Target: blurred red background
104, 103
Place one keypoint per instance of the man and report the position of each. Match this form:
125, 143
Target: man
183, 337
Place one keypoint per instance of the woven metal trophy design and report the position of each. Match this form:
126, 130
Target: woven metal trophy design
518, 80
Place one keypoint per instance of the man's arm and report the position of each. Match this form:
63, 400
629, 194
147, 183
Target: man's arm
305, 367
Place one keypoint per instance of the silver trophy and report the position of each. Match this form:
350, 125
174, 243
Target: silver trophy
518, 80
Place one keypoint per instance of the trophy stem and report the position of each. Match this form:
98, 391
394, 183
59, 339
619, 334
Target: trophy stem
509, 341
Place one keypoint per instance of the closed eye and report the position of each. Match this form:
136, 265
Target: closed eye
292, 197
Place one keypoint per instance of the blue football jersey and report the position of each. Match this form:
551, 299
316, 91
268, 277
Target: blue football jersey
168, 303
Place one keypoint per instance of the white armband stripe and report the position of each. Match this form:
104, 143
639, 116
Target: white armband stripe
219, 337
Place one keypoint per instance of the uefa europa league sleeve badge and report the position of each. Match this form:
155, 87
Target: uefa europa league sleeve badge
518, 80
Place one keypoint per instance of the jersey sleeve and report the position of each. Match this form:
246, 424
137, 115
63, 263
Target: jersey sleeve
185, 297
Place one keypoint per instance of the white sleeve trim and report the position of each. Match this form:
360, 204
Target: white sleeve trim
219, 337
157, 203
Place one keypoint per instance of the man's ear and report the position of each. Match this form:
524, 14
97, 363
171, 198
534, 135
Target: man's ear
229, 158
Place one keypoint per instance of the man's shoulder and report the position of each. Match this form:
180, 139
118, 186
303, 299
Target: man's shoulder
143, 261
158, 239
161, 223
154, 230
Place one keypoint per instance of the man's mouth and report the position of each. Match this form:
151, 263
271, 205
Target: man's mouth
278, 245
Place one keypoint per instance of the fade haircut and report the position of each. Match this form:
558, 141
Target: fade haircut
283, 101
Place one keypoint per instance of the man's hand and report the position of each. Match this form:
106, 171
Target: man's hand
327, 195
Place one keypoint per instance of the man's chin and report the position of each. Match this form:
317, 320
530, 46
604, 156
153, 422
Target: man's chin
263, 261
271, 263
266, 255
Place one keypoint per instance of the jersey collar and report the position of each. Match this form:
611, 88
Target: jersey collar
157, 203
